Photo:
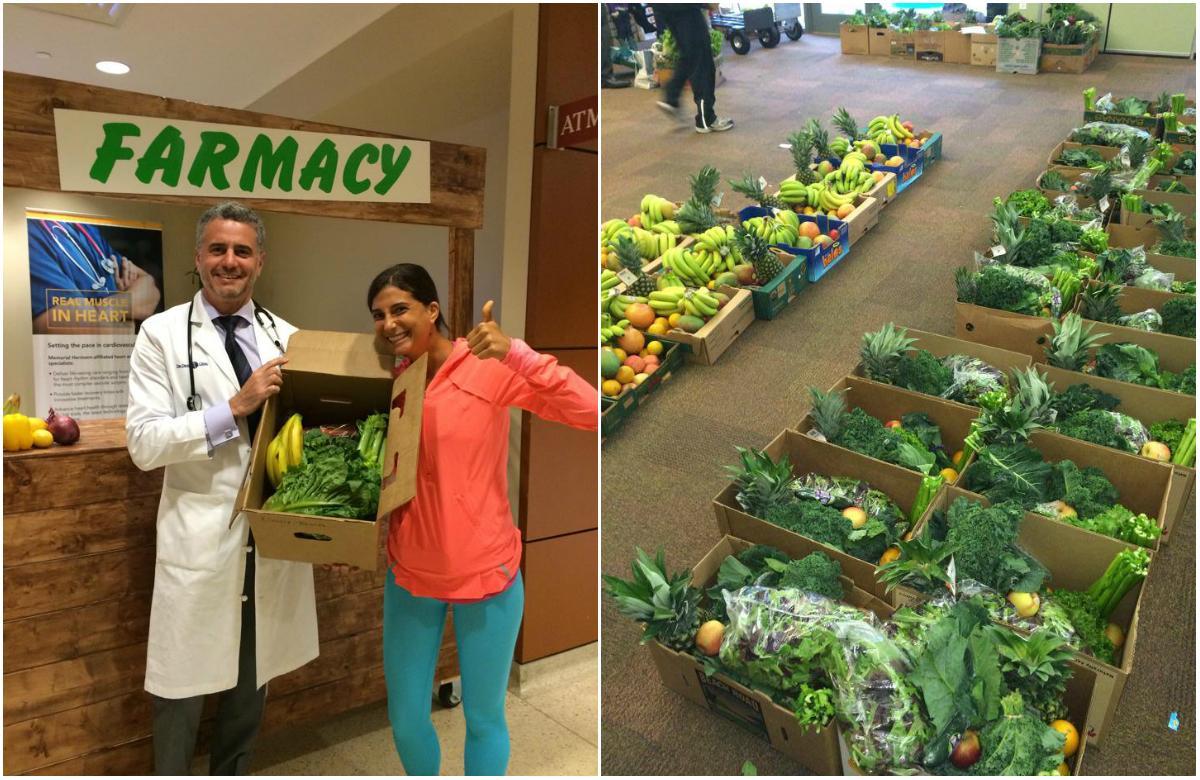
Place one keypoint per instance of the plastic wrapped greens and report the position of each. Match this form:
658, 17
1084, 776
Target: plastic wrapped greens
1106, 134
972, 378
841, 492
1153, 279
774, 633
1149, 320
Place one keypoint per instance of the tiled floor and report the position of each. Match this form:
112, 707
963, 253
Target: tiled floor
552, 721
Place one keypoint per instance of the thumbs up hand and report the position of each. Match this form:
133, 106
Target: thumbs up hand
486, 340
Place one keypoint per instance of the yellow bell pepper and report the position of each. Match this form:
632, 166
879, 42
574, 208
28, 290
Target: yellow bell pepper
17, 433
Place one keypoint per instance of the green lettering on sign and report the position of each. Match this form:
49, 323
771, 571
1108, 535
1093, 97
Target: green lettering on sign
165, 154
217, 149
321, 167
270, 160
112, 149
353, 184
392, 168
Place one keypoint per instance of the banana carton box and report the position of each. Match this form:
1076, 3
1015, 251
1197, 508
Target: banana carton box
333, 380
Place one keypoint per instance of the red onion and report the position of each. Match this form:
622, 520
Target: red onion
63, 428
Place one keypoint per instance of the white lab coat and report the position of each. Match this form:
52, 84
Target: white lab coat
195, 615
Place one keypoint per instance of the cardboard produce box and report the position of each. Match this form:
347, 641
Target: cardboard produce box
942, 346
711, 341
983, 54
879, 41
330, 379
1185, 204
752, 709
957, 48
885, 402
856, 38
1018, 55
1106, 152
1075, 561
930, 45
807, 455
1060, 58
903, 45
885, 190
1129, 237
1149, 405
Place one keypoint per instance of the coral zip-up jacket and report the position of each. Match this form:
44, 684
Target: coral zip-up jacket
456, 540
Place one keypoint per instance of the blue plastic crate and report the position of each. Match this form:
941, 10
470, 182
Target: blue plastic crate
820, 259
910, 171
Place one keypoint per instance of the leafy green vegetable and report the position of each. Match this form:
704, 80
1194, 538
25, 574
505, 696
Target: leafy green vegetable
1053, 180
1179, 317
1169, 432
1028, 203
1018, 744
1037, 667
1120, 523
1127, 362
984, 540
1093, 240
923, 372
814, 573
1108, 429
1086, 489
1081, 397
332, 480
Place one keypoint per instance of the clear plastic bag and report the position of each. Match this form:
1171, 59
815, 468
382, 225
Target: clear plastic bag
1153, 279
841, 492
879, 710
1106, 134
972, 377
1148, 320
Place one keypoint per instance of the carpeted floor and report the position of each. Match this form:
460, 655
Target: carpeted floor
661, 471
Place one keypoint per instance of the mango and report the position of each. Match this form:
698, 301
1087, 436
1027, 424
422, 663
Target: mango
690, 324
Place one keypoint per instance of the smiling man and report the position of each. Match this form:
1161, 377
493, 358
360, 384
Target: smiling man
222, 619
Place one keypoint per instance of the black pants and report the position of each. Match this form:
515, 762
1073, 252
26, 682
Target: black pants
239, 711
695, 59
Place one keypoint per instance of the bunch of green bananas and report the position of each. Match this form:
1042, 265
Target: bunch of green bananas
888, 130
668, 226
684, 263
840, 146
716, 240
619, 303
613, 228
286, 450
608, 280
830, 199
700, 303
655, 210
652, 245
668, 279
666, 302
772, 230
610, 330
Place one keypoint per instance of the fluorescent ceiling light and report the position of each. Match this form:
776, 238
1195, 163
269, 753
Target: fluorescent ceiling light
115, 68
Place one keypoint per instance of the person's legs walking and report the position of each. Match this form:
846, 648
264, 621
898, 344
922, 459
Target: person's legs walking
412, 636
486, 632
693, 38
176, 722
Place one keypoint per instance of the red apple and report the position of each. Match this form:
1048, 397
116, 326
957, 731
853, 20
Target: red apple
966, 750
892, 424
834, 234
907, 126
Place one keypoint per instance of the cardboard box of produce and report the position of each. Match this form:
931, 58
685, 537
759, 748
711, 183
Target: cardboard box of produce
865, 215
1018, 55
1078, 698
932, 146
331, 379
751, 709
943, 346
930, 45
1075, 561
807, 455
1136, 220
879, 41
983, 54
1071, 175
885, 402
958, 48
1105, 152
1185, 204
903, 47
1151, 124
1150, 405
856, 38
771, 299
615, 411
1134, 299
907, 173
1129, 236
1160, 182
711, 341
885, 190
1059, 58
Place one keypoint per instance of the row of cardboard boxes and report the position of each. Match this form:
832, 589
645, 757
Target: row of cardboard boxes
983, 48
801, 268
1074, 557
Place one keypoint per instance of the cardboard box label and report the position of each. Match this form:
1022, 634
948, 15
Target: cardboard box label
732, 704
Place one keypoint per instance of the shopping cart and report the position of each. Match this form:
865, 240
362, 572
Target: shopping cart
764, 23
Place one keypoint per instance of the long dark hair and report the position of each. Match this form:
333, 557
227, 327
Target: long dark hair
414, 280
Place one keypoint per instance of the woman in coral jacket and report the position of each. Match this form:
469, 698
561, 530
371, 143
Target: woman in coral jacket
455, 543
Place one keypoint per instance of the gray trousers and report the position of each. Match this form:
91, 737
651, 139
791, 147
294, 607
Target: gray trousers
239, 711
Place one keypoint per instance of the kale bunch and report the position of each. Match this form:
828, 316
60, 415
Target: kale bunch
1127, 362
923, 372
984, 541
814, 573
1169, 432
1004, 287
1183, 382
1179, 317
1080, 398
1087, 490
1108, 429
1019, 743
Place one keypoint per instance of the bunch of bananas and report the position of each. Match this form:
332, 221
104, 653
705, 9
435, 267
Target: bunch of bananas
888, 130
613, 228
286, 450
652, 245
698, 302
852, 176
655, 209
687, 266
668, 279
610, 330
717, 240
840, 146
668, 226
619, 303
773, 229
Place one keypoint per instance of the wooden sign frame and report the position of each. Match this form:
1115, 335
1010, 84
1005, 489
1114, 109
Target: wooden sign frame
456, 173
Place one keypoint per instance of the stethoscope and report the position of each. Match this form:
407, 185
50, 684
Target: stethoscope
194, 401
108, 263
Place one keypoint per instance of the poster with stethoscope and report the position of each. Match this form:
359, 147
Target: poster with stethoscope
92, 281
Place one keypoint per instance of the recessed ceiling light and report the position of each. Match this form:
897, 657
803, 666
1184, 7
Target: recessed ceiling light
43, 55
115, 68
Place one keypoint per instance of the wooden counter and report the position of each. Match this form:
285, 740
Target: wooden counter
78, 573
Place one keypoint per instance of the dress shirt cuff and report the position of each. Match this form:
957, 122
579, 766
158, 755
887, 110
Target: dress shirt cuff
219, 425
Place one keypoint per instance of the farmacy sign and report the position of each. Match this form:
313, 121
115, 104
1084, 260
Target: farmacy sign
137, 154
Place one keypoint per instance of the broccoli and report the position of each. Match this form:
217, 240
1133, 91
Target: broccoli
923, 372
814, 573
1019, 743
1082, 397
1087, 490
1179, 317
984, 540
1098, 427
1169, 432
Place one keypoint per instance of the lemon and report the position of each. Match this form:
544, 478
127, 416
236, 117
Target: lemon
611, 388
42, 438
37, 424
949, 474
673, 320
654, 348
1072, 743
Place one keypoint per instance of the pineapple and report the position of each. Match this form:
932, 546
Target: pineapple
1100, 303
704, 185
1069, 347
762, 483
802, 153
844, 122
696, 216
827, 411
757, 252
1027, 410
631, 260
753, 189
1099, 185
964, 283
666, 604
880, 351
1139, 148
1006, 230
820, 138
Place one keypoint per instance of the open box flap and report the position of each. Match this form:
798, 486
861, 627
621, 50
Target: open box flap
329, 352
399, 483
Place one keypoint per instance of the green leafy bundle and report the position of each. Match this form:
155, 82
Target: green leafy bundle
985, 549
1019, 743
666, 604
1179, 317
1091, 610
336, 477
1028, 203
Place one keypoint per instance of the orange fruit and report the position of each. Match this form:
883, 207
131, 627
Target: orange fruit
625, 374
621, 354
1068, 730
845, 211
956, 459
654, 348
673, 320
889, 555
949, 474
611, 388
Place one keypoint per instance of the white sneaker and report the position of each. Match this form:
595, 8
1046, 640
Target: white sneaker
676, 113
718, 125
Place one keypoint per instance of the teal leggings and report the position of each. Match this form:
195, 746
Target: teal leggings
486, 633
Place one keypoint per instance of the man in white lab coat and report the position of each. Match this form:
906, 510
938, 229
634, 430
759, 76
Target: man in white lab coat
223, 619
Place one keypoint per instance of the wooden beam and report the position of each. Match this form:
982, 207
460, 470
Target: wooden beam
31, 156
462, 282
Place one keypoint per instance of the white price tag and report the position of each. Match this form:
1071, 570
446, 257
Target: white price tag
627, 276
1104, 204
998, 251
610, 293
951, 571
